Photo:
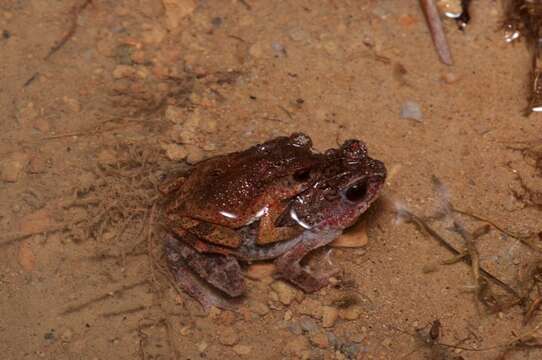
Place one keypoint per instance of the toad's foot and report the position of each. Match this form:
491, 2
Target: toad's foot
195, 272
289, 267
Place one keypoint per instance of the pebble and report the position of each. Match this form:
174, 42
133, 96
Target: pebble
37, 165
242, 349
329, 316
176, 10
288, 315
351, 350
353, 238
27, 114
174, 115
194, 154
285, 292
66, 335
124, 71
41, 125
411, 110
310, 307
186, 330
72, 104
259, 308
278, 49
298, 35
450, 78
295, 329
228, 336
175, 152
260, 271
12, 166
202, 346
320, 339
214, 313
350, 313
308, 325
296, 346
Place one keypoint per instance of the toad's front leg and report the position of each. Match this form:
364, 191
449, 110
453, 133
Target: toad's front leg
289, 267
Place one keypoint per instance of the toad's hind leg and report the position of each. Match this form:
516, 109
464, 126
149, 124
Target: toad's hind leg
289, 267
195, 272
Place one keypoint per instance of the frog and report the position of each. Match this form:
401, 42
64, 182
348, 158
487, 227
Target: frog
278, 200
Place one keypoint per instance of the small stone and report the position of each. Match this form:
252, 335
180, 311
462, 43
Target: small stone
259, 308
176, 10
287, 315
296, 346
228, 337
242, 349
12, 165
310, 307
387, 342
350, 313
278, 49
72, 104
124, 71
256, 50
27, 114
329, 316
227, 318
407, 21
186, 330
308, 325
202, 346
214, 313
41, 125
175, 115
354, 237
153, 36
450, 78
107, 157
411, 110
285, 292
175, 152
66, 335
298, 35
295, 329
194, 154
320, 339
37, 165
260, 271
351, 350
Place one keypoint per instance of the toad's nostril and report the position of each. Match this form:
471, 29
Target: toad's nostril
357, 191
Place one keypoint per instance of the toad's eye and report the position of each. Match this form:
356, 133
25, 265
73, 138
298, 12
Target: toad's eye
357, 191
302, 175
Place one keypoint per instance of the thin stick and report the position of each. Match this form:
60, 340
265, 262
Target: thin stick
103, 297
13, 237
408, 216
434, 23
75, 12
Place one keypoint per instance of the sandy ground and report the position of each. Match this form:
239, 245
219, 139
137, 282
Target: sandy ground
90, 127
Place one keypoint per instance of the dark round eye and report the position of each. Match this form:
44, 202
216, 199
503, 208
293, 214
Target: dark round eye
302, 175
357, 191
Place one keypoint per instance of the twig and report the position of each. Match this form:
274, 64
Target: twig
103, 297
434, 23
75, 12
474, 258
408, 216
13, 237
124, 312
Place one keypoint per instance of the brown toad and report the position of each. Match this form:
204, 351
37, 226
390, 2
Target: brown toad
276, 200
